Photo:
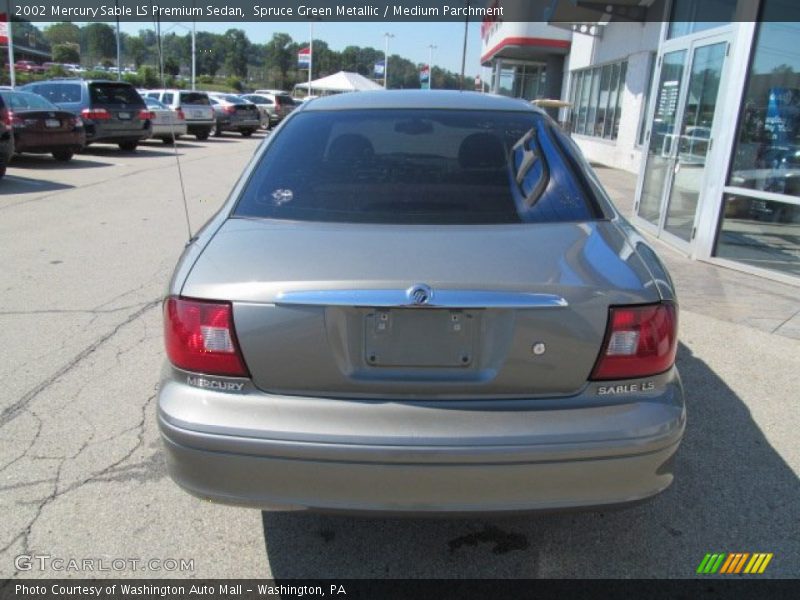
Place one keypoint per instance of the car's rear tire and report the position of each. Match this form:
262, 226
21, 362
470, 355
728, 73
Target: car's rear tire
246, 132
2, 171
202, 136
216, 130
168, 140
128, 146
63, 155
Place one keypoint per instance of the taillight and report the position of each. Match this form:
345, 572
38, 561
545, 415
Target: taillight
200, 337
96, 114
229, 109
146, 115
640, 341
9, 118
181, 116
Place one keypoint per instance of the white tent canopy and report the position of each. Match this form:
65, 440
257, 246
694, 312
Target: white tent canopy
343, 81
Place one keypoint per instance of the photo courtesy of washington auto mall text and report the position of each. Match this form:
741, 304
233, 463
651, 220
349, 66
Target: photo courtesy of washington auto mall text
399, 299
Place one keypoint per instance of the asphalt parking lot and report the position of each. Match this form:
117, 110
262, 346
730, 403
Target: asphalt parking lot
87, 250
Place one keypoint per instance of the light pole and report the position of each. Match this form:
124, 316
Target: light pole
464, 50
431, 48
119, 52
10, 33
310, 54
386, 60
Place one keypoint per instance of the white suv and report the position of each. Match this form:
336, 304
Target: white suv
196, 109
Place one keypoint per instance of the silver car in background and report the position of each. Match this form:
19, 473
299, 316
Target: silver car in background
420, 302
168, 124
196, 108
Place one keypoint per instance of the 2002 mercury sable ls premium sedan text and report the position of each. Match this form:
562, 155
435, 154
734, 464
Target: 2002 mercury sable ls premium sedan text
420, 302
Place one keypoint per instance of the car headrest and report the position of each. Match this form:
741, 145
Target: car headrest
350, 147
481, 151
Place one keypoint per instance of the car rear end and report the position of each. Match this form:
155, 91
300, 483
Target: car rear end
167, 123
284, 105
405, 309
197, 112
40, 126
237, 114
115, 114
6, 140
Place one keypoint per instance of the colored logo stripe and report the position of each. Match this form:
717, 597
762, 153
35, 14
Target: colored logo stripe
734, 562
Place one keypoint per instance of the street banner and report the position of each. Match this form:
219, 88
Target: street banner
3, 28
380, 67
304, 58
425, 77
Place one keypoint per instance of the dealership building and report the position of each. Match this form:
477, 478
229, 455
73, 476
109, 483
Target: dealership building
699, 98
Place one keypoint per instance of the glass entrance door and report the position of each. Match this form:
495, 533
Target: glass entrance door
681, 136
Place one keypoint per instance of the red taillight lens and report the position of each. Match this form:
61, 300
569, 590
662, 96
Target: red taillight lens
181, 116
640, 341
146, 115
200, 337
9, 118
96, 114
229, 109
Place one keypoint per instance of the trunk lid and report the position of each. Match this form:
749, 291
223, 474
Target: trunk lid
516, 310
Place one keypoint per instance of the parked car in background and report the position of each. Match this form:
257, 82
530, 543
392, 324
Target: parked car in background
168, 124
266, 109
41, 127
277, 103
112, 111
196, 107
420, 302
28, 66
234, 113
6, 138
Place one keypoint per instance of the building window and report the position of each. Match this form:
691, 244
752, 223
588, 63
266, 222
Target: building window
691, 16
596, 99
646, 98
760, 220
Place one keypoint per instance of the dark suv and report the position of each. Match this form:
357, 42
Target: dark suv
113, 112
6, 138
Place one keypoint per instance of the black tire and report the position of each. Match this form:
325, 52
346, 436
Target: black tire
2, 171
246, 132
63, 155
216, 130
168, 141
202, 136
128, 146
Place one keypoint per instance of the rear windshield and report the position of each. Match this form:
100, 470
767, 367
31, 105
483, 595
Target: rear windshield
26, 101
196, 99
59, 92
416, 166
113, 93
285, 99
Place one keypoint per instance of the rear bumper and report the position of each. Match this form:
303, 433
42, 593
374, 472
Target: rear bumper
252, 449
169, 130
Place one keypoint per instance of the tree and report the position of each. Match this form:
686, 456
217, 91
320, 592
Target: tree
63, 33
171, 66
235, 45
99, 41
278, 57
66, 53
135, 50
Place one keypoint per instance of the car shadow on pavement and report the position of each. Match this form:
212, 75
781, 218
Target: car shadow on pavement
732, 493
45, 162
14, 184
140, 152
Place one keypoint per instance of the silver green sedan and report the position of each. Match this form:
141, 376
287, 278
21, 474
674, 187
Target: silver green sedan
420, 302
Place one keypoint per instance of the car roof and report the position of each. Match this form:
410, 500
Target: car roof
420, 99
